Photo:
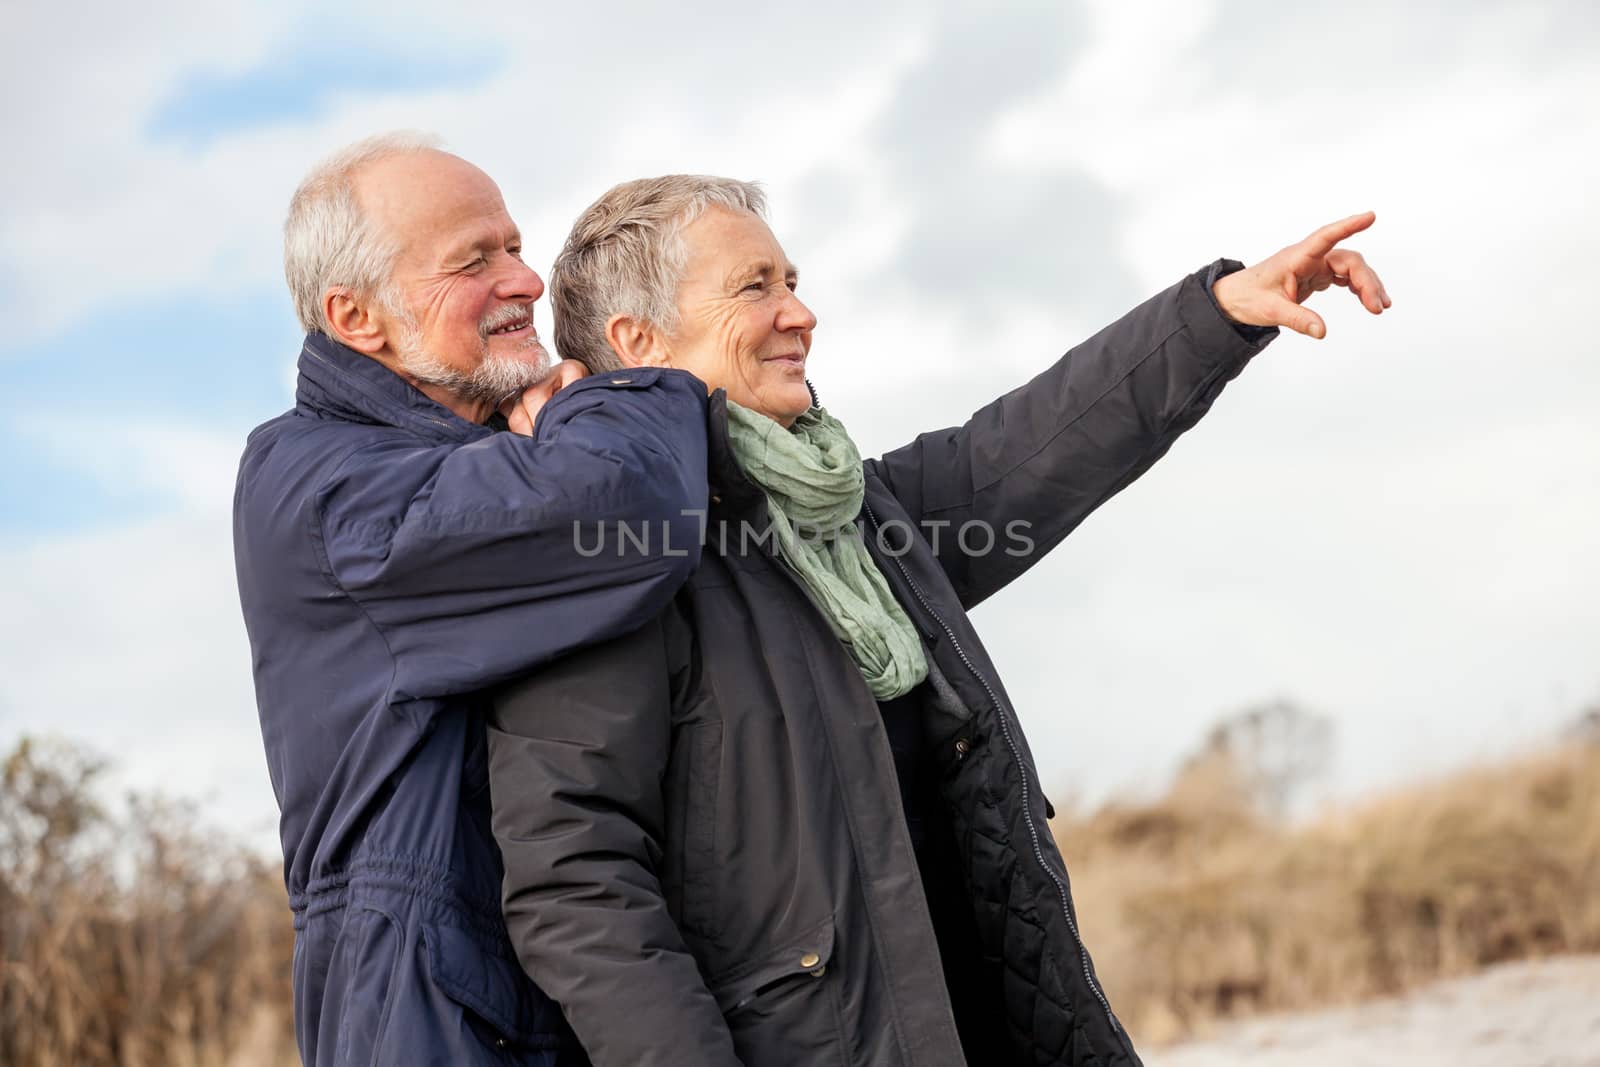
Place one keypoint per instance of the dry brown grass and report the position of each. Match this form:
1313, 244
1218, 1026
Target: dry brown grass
139, 941
142, 941
1199, 907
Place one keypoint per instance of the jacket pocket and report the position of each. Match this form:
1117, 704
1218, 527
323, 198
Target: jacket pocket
783, 1007
694, 777
496, 998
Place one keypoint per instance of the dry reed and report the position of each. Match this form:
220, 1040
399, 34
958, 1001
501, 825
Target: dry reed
136, 941
1200, 907
140, 940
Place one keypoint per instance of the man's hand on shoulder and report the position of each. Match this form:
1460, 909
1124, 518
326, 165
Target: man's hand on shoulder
1271, 292
521, 410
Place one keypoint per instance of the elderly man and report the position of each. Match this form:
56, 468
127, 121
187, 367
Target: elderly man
395, 556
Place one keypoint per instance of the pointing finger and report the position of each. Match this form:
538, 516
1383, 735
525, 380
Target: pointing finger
1322, 241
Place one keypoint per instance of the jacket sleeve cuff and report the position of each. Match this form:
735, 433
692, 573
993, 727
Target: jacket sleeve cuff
1212, 327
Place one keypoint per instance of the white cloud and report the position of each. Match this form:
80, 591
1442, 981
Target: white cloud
551, 122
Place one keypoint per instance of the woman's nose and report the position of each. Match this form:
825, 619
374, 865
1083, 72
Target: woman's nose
794, 315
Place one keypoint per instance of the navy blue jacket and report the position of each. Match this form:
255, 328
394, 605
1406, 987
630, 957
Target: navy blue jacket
393, 561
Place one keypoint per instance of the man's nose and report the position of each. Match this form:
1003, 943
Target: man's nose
794, 315
519, 282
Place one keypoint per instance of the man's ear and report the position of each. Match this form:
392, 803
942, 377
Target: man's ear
353, 322
637, 344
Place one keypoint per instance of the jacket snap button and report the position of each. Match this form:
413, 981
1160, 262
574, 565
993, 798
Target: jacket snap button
963, 746
501, 1042
810, 960
820, 971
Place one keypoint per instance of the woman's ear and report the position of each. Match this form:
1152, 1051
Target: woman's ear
637, 344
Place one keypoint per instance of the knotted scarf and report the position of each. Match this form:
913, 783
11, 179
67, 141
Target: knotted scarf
811, 474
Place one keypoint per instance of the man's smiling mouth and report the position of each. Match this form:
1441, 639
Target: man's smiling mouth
511, 319
513, 327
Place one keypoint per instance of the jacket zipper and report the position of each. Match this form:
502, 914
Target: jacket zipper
1022, 776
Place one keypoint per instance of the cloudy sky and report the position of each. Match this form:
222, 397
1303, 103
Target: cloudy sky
1395, 527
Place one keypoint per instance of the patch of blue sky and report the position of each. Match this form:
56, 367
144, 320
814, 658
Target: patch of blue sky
301, 79
44, 494
194, 355
195, 360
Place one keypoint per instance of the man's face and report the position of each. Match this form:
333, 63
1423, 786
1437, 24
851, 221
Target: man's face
740, 325
464, 314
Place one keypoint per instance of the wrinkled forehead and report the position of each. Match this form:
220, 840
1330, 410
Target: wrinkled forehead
722, 243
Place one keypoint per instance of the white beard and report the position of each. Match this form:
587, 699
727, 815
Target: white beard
491, 381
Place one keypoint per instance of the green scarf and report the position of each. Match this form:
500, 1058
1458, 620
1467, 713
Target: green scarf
811, 474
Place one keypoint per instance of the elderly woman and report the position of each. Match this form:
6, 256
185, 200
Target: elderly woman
794, 819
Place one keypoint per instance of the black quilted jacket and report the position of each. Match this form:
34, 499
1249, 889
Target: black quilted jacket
707, 859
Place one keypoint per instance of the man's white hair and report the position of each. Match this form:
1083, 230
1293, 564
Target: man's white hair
329, 241
626, 255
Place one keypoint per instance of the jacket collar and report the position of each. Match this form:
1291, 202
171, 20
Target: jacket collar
732, 491
341, 383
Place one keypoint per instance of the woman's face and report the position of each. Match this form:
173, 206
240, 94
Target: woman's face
740, 325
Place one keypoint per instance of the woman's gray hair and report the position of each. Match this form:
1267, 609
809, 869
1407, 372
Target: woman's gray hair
329, 241
625, 256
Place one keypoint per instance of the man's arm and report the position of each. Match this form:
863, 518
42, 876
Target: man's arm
506, 552
577, 752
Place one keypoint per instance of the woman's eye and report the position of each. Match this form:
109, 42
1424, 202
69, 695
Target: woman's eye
755, 287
